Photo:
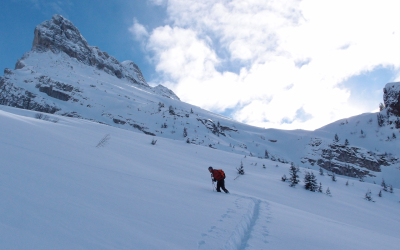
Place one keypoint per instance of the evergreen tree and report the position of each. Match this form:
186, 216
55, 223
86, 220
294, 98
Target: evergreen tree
266, 155
391, 189
328, 192
284, 178
336, 138
293, 175
310, 182
380, 193
240, 169
333, 176
185, 132
321, 171
346, 142
368, 195
320, 188
347, 183
383, 184
394, 136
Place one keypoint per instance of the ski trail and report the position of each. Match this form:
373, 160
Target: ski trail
243, 234
249, 217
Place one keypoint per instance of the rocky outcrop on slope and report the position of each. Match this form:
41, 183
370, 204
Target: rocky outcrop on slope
391, 98
347, 160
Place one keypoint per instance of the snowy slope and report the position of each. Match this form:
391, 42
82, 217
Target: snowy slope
60, 189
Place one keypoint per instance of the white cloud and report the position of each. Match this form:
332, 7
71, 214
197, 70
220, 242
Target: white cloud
138, 31
296, 53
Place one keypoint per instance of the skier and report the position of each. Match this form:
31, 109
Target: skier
219, 176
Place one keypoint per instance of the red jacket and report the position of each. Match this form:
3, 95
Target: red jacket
217, 174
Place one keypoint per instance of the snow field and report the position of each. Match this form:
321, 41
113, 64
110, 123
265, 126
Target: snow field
59, 191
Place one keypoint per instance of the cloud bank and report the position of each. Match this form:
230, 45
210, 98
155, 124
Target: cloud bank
272, 63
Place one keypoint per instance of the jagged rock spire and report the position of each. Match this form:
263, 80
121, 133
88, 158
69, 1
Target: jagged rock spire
60, 35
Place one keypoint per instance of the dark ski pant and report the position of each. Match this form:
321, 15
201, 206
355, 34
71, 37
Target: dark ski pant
221, 184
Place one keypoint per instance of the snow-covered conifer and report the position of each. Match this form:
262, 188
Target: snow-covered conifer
284, 178
380, 193
333, 176
368, 195
336, 138
266, 156
293, 175
310, 182
384, 186
391, 189
240, 169
347, 183
328, 192
346, 142
320, 188
321, 171
185, 132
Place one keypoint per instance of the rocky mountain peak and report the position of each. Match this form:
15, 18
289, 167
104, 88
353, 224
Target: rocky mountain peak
60, 35
391, 97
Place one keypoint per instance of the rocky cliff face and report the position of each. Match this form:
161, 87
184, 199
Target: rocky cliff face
60, 35
347, 160
391, 98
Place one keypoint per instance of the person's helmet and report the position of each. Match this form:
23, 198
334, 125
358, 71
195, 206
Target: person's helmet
210, 168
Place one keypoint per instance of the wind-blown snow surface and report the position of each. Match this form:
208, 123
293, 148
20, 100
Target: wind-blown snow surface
60, 189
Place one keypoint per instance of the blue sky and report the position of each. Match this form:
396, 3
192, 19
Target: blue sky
285, 64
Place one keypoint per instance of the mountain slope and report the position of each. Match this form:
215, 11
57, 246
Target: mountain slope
62, 190
63, 75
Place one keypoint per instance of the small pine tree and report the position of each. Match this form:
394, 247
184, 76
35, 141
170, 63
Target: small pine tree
185, 132
391, 189
321, 171
336, 138
310, 182
266, 156
284, 178
347, 183
293, 175
333, 177
394, 136
320, 188
383, 184
187, 140
328, 192
346, 142
240, 169
368, 195
380, 193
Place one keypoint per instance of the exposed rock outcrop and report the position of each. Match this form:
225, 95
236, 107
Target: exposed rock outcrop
347, 160
391, 98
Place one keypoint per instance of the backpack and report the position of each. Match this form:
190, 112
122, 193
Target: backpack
221, 172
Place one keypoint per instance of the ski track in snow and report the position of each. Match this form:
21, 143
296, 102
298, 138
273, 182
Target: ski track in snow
252, 226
